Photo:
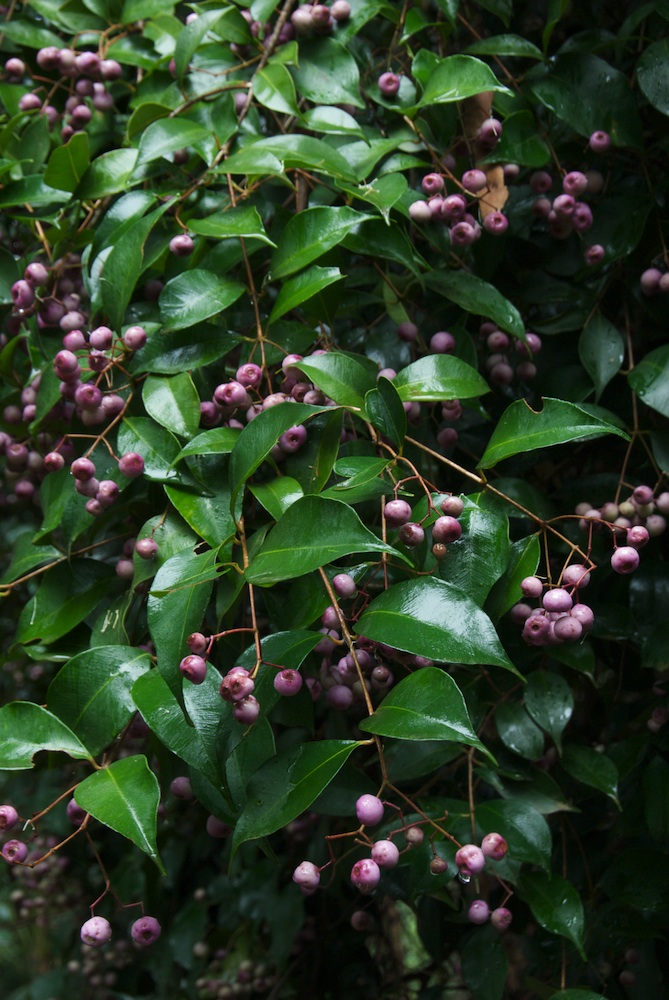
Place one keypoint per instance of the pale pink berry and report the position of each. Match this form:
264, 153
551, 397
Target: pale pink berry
369, 809
385, 853
625, 559
470, 859
494, 846
501, 918
96, 931
288, 682
307, 876
365, 875
478, 912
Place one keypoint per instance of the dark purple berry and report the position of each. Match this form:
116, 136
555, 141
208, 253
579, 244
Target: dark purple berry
193, 668
145, 931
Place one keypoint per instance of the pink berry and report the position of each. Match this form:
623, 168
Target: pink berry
567, 629
576, 575
181, 787
344, 585
637, 536
288, 682
397, 512
432, 184
531, 586
307, 876
420, 211
599, 141
446, 529
134, 338
557, 599
389, 84
470, 859
15, 851
131, 465
625, 559
369, 809
478, 912
414, 836
145, 931
385, 854
193, 668
474, 180
181, 245
501, 918
146, 548
96, 931
365, 875
494, 846
452, 506
8, 817
247, 710
217, 828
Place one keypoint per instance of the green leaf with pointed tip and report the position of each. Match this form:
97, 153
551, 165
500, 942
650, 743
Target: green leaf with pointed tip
191, 36
273, 87
310, 234
277, 495
66, 595
235, 223
601, 349
550, 702
68, 164
170, 353
313, 532
328, 73
157, 446
259, 437
589, 94
125, 797
26, 556
218, 441
521, 429
340, 376
522, 140
108, 174
91, 693
163, 714
332, 121
173, 401
523, 559
650, 380
437, 377
505, 45
208, 515
287, 784
25, 729
457, 77
194, 296
652, 74
426, 705
479, 557
289, 151
164, 136
478, 297
593, 769
524, 829
386, 412
303, 287
556, 905
517, 731
431, 618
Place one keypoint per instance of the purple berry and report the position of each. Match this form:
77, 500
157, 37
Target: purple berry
134, 338
131, 465
452, 506
446, 529
442, 342
489, 134
599, 141
145, 931
96, 932
474, 180
496, 223
625, 559
574, 183
389, 84
8, 817
181, 245
369, 809
532, 586
193, 668
420, 211
23, 294
494, 846
557, 599
470, 859
501, 918
288, 682
216, 827
293, 439
584, 615
365, 875
385, 854
478, 912
576, 575
438, 865
567, 629
15, 851
247, 710
412, 534
637, 536
594, 255
407, 332
414, 836
75, 813
83, 469
344, 585
146, 548
432, 184
397, 512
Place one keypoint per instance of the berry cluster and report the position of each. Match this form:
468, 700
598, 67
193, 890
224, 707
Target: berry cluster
97, 931
499, 362
560, 616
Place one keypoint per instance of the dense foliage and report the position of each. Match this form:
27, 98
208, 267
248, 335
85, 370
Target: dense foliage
334, 351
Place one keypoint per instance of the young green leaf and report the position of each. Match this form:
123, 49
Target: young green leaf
25, 729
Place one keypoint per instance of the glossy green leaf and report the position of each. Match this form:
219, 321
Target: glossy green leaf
246, 757
108, 174
313, 464
173, 402
650, 379
191, 36
485, 966
478, 297
313, 532
124, 265
589, 94
340, 376
234, 223
125, 797
457, 77
437, 377
169, 353
137, 10
218, 441
505, 45
157, 446
161, 711
593, 769
208, 515
274, 154
25, 729
194, 296
273, 87
27, 556
601, 349
383, 405
378, 239
303, 287
91, 693
521, 429
652, 74
524, 829
521, 140
259, 437
479, 557
68, 164
517, 731
31, 191
426, 705
164, 136
328, 73
277, 495
287, 785
550, 702
176, 605
523, 560
428, 617
576, 995
556, 905
332, 121
66, 595
310, 234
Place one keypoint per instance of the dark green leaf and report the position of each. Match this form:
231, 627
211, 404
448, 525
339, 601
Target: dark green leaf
525, 830
26, 729
601, 348
505, 45
479, 557
332, 121
169, 353
173, 402
234, 223
91, 693
340, 376
437, 377
125, 797
521, 429
477, 297
273, 87
68, 164
313, 532
303, 287
426, 705
652, 73
523, 560
287, 785
457, 77
485, 965
289, 151
194, 296
431, 618
310, 234
576, 995
108, 174
517, 731
157, 446
67, 594
386, 412
219, 441
27, 556
556, 905
521, 140
277, 495
328, 73
549, 701
593, 769
650, 380
164, 136
209, 516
